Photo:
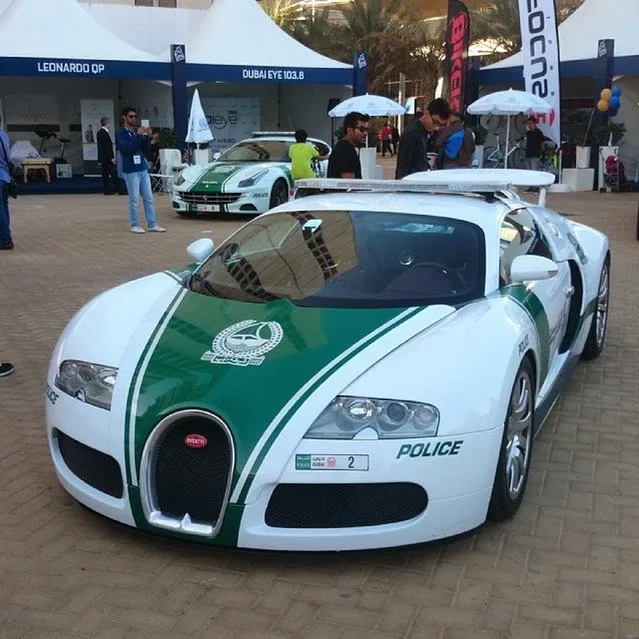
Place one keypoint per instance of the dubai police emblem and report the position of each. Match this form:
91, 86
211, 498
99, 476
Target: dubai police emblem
245, 343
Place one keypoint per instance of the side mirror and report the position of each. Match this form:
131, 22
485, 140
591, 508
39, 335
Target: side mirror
217, 155
530, 268
201, 249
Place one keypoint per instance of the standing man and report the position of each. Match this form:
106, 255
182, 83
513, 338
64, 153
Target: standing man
6, 241
133, 145
412, 152
535, 143
107, 160
344, 160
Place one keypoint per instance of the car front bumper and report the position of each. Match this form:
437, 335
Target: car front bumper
247, 201
397, 492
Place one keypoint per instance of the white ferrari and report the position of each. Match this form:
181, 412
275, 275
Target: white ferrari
364, 366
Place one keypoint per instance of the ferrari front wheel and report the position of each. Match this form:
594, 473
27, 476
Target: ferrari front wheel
279, 194
511, 476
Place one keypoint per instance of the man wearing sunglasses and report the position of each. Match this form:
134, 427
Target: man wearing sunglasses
412, 154
133, 144
343, 161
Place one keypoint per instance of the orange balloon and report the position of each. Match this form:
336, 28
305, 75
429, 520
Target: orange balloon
603, 105
606, 94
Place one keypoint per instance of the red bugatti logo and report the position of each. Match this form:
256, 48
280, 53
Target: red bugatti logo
196, 441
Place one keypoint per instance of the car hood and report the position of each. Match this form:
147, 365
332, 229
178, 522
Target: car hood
219, 176
255, 364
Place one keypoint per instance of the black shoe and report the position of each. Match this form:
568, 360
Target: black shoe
6, 247
6, 369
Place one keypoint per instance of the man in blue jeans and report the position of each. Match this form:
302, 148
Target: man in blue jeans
6, 242
132, 143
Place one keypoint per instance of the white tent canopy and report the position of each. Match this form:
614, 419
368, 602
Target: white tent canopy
61, 29
240, 33
594, 20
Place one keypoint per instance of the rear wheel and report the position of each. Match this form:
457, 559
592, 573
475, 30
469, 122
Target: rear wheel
511, 476
597, 333
279, 194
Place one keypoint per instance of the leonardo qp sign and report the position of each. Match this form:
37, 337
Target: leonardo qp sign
71, 68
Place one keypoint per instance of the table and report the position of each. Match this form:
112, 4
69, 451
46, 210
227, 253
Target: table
34, 164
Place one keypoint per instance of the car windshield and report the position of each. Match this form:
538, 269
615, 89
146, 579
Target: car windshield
257, 151
354, 259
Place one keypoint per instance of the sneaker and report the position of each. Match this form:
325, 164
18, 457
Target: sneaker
157, 229
6, 369
137, 229
6, 247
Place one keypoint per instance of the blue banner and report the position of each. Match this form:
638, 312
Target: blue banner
179, 93
360, 73
60, 67
275, 75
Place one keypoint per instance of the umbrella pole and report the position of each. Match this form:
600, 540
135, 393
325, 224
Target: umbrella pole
507, 142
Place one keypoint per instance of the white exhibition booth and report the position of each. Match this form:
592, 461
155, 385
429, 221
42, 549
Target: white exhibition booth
579, 35
228, 46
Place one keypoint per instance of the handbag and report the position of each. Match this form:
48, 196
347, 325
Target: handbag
12, 187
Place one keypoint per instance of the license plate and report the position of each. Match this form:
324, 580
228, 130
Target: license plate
331, 462
208, 208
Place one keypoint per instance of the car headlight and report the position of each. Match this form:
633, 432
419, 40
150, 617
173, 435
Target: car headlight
253, 180
346, 417
179, 180
90, 383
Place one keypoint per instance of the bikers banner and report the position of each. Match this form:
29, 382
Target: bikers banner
540, 48
457, 38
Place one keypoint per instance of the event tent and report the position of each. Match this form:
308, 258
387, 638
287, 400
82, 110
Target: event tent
594, 20
49, 38
238, 42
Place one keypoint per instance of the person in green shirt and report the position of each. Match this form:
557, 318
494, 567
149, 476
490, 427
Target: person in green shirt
302, 153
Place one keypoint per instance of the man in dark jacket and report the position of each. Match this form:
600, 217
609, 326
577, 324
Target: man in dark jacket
107, 160
411, 155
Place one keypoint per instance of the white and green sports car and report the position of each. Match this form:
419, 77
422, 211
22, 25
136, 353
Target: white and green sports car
251, 177
362, 367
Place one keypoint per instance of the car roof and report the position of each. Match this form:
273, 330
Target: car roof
277, 138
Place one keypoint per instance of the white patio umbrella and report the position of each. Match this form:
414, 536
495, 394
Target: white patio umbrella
199, 131
367, 104
509, 103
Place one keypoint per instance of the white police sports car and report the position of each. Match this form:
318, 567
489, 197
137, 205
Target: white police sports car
364, 366
250, 177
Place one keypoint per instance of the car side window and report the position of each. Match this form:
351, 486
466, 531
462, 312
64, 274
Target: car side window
519, 235
321, 147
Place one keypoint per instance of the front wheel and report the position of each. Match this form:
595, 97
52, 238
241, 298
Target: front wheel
511, 476
597, 333
279, 194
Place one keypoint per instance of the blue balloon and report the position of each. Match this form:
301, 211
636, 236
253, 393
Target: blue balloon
613, 112
614, 102
617, 92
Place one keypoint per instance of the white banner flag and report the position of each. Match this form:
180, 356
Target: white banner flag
540, 47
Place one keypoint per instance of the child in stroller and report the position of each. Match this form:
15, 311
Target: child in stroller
614, 173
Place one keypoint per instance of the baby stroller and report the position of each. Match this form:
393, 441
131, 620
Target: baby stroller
614, 177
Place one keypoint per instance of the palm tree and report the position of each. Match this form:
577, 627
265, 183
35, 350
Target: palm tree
285, 13
497, 22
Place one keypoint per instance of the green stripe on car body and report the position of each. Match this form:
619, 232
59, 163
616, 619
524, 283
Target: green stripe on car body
215, 177
182, 374
136, 380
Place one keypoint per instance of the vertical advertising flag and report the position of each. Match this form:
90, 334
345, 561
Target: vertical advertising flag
457, 40
540, 48
360, 73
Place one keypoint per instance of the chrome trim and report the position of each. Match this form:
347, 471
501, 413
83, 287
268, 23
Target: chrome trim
210, 198
152, 513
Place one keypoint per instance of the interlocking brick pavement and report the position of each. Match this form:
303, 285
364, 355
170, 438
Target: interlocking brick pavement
566, 567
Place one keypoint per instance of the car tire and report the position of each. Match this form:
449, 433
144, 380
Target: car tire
279, 194
513, 466
599, 325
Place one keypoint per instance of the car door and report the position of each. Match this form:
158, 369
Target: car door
521, 235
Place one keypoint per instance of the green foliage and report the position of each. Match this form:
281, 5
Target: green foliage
602, 133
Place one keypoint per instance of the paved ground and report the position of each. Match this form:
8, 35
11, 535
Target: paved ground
566, 566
